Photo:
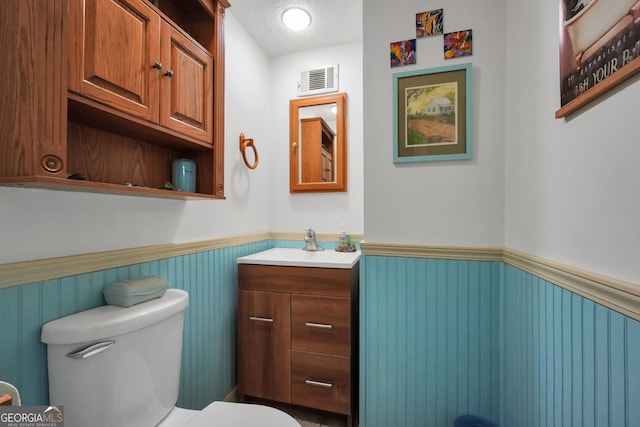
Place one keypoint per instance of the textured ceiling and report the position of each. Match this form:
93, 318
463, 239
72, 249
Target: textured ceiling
332, 22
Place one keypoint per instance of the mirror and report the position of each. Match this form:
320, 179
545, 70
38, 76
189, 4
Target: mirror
318, 144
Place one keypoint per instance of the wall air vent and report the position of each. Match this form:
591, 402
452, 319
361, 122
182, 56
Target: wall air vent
318, 80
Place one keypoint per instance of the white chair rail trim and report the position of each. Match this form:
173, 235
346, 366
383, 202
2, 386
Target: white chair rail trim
21, 273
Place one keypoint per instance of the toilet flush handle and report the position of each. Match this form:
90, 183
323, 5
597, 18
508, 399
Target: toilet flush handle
91, 350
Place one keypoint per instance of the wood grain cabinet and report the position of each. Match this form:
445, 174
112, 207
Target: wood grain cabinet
113, 90
317, 150
298, 336
127, 57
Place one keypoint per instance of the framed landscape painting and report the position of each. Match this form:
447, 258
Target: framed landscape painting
432, 114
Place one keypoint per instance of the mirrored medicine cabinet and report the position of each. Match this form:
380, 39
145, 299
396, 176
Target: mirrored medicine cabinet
318, 144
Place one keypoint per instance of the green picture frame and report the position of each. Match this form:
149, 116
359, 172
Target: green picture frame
432, 114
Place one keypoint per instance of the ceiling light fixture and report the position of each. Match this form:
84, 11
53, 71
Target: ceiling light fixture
296, 19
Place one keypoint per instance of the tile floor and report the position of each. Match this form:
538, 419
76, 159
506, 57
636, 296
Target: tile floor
315, 419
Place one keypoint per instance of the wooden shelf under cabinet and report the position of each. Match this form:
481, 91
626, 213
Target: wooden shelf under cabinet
49, 183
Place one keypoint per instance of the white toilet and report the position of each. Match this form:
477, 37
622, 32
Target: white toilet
120, 367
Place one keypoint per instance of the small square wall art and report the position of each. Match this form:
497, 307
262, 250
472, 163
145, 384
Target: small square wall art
458, 43
429, 23
403, 52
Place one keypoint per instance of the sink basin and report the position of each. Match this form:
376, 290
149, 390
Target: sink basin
296, 257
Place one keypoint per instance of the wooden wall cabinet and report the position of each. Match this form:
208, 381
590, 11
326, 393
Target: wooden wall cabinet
317, 141
113, 90
298, 336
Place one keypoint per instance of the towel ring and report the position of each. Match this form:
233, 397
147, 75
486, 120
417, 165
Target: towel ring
244, 144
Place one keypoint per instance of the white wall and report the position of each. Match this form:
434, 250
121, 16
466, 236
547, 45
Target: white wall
435, 203
572, 185
36, 224
566, 190
322, 211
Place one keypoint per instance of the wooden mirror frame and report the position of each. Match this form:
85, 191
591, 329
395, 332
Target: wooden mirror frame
340, 161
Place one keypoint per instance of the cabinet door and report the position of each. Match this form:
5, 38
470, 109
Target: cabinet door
264, 352
114, 45
311, 147
186, 87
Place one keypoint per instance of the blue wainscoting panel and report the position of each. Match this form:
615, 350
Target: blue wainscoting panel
208, 365
565, 360
209, 356
428, 341
438, 338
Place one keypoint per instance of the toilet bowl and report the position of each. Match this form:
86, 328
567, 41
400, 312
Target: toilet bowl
116, 366
226, 414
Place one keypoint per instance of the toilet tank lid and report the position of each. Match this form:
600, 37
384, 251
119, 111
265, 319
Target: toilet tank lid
110, 320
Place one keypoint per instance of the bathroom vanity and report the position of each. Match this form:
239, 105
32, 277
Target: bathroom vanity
298, 329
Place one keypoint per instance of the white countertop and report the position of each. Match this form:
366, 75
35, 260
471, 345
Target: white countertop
295, 257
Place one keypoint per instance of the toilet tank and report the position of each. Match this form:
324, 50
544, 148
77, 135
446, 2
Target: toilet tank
117, 366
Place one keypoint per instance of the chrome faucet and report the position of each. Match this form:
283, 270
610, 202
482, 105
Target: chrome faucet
310, 241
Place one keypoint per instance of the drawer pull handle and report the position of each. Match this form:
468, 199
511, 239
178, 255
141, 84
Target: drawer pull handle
319, 325
261, 319
318, 384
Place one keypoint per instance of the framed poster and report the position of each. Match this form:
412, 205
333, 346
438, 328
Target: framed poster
599, 48
432, 114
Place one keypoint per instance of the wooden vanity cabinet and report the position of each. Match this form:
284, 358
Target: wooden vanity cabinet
114, 90
298, 336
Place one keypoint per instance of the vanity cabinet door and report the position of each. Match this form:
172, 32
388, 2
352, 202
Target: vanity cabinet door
114, 46
264, 350
186, 87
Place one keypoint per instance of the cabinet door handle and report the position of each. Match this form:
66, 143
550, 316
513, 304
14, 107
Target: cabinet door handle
261, 319
318, 384
318, 325
157, 65
169, 73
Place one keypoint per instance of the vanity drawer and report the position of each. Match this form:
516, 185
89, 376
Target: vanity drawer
321, 381
321, 324
297, 280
